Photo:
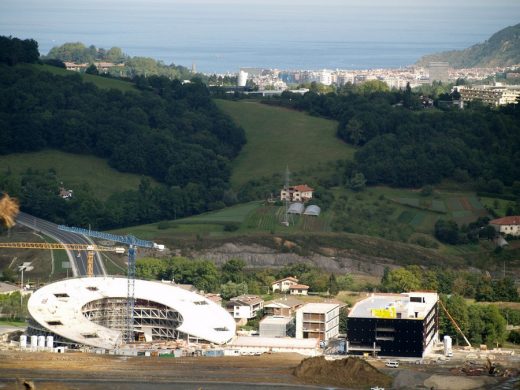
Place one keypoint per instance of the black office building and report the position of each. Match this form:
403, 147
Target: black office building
404, 325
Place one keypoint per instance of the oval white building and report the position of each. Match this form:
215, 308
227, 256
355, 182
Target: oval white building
92, 311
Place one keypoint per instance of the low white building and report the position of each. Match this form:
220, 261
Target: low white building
252, 345
298, 289
317, 320
507, 225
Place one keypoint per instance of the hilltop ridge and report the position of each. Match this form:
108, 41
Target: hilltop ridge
501, 49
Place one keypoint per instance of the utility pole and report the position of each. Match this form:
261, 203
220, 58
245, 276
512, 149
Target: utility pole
287, 196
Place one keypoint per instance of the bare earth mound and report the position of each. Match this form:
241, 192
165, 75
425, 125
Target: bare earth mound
350, 372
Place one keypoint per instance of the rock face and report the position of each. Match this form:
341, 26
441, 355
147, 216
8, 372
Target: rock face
261, 256
349, 372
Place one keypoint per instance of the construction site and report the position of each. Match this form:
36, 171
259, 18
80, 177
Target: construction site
91, 329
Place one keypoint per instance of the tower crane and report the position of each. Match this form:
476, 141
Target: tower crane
76, 247
132, 243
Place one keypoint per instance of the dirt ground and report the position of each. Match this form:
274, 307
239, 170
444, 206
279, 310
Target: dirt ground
82, 371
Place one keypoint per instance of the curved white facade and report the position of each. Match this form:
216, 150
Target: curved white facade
59, 308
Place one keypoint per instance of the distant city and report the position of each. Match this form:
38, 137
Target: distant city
280, 80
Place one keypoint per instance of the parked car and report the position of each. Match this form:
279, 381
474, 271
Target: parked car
392, 363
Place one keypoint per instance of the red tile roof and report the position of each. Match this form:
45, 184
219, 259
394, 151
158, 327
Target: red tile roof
303, 188
292, 279
299, 287
511, 220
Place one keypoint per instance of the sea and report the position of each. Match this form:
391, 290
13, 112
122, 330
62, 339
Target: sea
220, 36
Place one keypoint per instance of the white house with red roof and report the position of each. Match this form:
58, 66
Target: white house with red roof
298, 289
283, 285
299, 193
507, 225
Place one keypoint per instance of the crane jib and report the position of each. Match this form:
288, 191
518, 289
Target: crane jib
129, 240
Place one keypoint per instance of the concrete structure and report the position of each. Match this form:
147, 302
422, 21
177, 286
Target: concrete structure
507, 225
494, 95
283, 285
253, 345
298, 289
299, 193
92, 311
244, 307
438, 71
394, 324
277, 326
317, 320
285, 307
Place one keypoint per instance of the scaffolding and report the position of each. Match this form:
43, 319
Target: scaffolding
159, 321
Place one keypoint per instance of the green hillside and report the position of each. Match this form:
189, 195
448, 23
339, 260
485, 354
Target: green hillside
502, 49
278, 137
73, 169
98, 81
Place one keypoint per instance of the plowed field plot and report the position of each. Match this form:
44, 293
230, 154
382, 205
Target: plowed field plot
454, 204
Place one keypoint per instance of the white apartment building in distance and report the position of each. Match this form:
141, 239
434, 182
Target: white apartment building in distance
494, 95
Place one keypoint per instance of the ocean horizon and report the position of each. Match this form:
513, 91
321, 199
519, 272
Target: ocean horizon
223, 36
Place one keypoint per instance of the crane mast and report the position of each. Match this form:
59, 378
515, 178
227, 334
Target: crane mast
133, 243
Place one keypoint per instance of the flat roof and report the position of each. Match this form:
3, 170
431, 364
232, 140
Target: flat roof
389, 305
319, 307
276, 320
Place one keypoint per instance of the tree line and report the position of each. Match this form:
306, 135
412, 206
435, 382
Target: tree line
14, 50
401, 144
78, 53
233, 278
476, 286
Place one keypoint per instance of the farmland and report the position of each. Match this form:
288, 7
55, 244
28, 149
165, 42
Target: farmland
405, 211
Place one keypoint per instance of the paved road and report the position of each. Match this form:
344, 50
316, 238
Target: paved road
78, 264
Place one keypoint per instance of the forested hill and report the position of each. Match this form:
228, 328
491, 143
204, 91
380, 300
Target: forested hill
402, 144
502, 49
170, 131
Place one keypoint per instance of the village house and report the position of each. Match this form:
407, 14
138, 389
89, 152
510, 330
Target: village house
244, 307
285, 307
298, 289
283, 285
299, 193
507, 225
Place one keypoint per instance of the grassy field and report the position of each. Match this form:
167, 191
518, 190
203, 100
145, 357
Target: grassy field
100, 82
278, 137
72, 170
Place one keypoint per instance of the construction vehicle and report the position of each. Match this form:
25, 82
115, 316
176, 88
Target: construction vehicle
75, 247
